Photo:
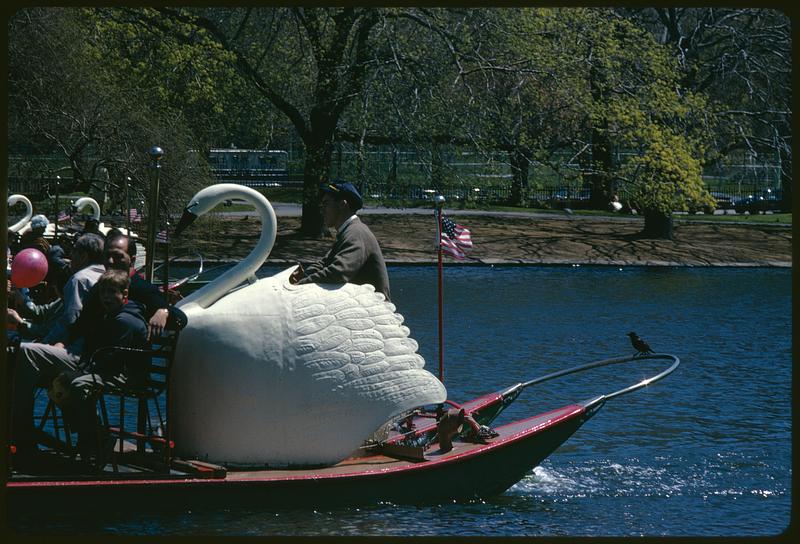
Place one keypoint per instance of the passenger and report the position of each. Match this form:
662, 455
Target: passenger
92, 226
31, 320
39, 365
35, 237
58, 266
355, 256
86, 266
34, 316
120, 323
13, 244
119, 254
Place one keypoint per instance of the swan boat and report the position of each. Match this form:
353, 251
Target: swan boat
409, 467
89, 202
24, 224
314, 394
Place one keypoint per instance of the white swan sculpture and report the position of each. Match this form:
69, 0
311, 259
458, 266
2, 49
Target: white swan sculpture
26, 219
82, 202
275, 374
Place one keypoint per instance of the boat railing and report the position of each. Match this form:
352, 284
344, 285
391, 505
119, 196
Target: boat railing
517, 388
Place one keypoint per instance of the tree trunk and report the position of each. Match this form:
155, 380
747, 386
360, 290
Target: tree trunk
339, 160
391, 180
657, 225
519, 182
786, 180
602, 164
361, 178
437, 174
315, 172
602, 159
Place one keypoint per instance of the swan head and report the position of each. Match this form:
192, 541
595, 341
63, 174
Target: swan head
201, 203
186, 219
82, 202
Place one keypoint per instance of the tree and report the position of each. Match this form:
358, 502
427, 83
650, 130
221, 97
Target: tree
740, 57
639, 105
526, 87
590, 81
308, 62
312, 64
64, 102
663, 177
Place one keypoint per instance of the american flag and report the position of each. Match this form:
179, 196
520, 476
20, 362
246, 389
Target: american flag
456, 240
161, 237
134, 215
63, 216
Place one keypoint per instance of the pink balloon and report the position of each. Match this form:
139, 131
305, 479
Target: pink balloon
28, 268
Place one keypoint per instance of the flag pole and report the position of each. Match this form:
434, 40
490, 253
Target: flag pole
439, 203
127, 183
166, 261
55, 228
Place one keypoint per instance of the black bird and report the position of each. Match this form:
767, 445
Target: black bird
641, 347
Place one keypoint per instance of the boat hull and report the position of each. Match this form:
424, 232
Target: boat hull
468, 471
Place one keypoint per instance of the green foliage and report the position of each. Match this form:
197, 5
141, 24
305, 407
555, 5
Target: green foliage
524, 90
175, 65
665, 176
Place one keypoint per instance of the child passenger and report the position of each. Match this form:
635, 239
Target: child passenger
121, 324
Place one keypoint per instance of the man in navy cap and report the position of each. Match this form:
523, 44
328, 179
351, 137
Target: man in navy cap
355, 256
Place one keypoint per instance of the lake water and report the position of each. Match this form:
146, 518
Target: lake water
705, 452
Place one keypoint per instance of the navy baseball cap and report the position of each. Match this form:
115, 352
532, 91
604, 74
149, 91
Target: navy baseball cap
344, 190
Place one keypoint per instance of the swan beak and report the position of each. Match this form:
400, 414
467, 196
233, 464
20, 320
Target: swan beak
186, 220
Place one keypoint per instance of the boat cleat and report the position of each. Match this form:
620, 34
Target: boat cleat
481, 435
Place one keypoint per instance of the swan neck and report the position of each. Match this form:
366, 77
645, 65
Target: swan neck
215, 290
13, 199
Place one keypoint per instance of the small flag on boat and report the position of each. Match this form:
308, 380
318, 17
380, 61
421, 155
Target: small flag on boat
161, 237
455, 239
63, 216
134, 215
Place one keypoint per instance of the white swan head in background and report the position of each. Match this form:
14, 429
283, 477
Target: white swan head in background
82, 202
270, 373
14, 199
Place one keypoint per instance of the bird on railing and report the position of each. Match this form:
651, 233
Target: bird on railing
641, 347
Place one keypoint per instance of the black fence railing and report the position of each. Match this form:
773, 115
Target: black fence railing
499, 192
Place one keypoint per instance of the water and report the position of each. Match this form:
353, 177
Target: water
706, 452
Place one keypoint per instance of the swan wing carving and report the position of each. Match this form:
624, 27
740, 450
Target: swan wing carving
276, 374
353, 344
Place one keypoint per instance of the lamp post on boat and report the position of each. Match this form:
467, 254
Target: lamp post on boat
55, 227
152, 213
